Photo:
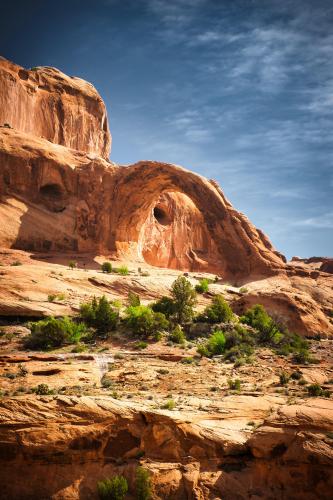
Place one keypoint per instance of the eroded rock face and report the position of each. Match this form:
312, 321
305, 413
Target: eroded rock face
149, 211
289, 456
47, 103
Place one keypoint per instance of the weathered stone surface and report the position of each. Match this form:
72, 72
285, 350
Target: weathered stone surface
76, 441
149, 211
45, 102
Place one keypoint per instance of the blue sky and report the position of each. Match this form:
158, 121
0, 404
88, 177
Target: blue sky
240, 91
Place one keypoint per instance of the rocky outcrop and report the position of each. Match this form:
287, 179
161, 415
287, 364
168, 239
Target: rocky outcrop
46, 103
149, 211
74, 442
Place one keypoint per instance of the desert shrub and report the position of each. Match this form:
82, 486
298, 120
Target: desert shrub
259, 319
79, 348
143, 484
133, 299
51, 297
302, 356
141, 345
164, 305
72, 264
169, 405
234, 385
123, 270
218, 312
112, 489
203, 350
16, 263
107, 267
51, 332
203, 286
100, 314
243, 289
143, 321
42, 390
177, 335
216, 343
184, 298
284, 378
315, 390
296, 375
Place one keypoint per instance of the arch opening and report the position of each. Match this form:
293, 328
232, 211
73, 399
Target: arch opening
161, 216
51, 191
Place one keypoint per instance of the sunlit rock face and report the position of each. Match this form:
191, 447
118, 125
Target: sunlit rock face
47, 103
59, 192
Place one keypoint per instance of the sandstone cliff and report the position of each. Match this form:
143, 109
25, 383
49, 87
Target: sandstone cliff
74, 442
47, 103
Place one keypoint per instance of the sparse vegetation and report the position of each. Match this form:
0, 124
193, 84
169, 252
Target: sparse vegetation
164, 305
51, 333
218, 312
100, 314
72, 264
203, 286
107, 267
133, 299
42, 390
144, 322
234, 385
169, 405
284, 378
177, 335
123, 270
184, 299
112, 489
143, 484
16, 263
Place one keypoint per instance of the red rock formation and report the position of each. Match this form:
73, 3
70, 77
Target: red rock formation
47, 103
154, 211
75, 442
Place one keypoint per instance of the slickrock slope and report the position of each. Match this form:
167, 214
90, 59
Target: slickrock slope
47, 103
76, 441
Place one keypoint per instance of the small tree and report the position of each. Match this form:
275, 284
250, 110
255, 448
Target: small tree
219, 311
107, 267
143, 484
177, 335
184, 298
51, 332
112, 489
164, 305
133, 299
143, 321
100, 314
258, 318
203, 286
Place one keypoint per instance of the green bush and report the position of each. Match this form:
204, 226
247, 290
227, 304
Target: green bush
259, 319
315, 390
133, 299
112, 489
216, 343
100, 314
51, 332
143, 484
218, 312
184, 298
177, 335
72, 264
141, 345
234, 385
169, 405
107, 267
42, 390
203, 286
143, 321
284, 378
123, 270
164, 305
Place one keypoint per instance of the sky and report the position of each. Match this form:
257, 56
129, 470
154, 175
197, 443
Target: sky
240, 91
